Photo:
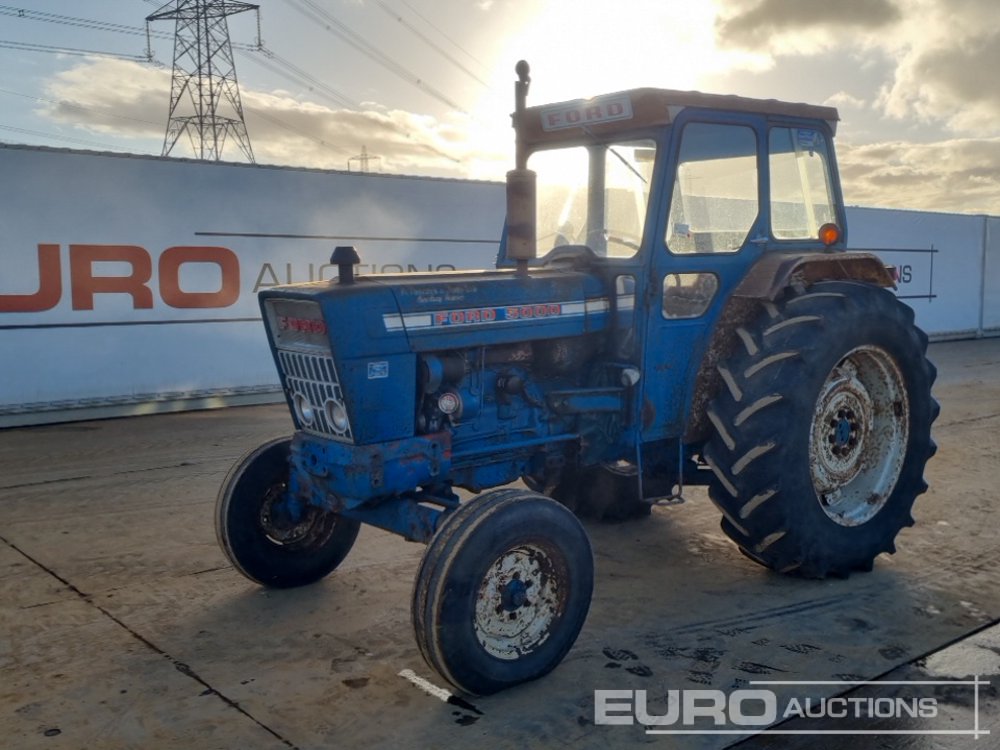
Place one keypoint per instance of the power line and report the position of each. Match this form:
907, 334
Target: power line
86, 23
282, 67
271, 61
54, 136
429, 42
74, 105
292, 72
282, 124
256, 113
327, 22
55, 50
259, 54
436, 28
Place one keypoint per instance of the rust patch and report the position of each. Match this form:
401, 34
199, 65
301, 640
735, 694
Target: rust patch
773, 273
648, 414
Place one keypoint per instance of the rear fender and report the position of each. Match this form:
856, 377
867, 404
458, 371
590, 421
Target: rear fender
764, 282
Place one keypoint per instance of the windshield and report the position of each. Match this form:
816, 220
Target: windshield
594, 195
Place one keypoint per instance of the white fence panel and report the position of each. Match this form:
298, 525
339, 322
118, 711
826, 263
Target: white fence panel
941, 268
128, 284
133, 280
991, 277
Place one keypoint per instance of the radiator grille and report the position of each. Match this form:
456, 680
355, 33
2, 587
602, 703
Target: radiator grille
313, 379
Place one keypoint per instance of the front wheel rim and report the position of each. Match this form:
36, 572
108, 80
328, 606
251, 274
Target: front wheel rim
519, 602
311, 529
860, 430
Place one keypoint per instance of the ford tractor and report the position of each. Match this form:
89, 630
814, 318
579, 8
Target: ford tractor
673, 305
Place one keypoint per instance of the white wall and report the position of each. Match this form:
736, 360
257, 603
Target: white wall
940, 256
991, 277
115, 354
280, 225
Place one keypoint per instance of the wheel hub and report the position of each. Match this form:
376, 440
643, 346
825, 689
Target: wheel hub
858, 437
279, 522
843, 425
843, 431
517, 604
514, 595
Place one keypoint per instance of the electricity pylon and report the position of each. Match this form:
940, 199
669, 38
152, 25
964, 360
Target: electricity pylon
204, 93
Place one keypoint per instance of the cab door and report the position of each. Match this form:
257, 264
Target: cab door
712, 227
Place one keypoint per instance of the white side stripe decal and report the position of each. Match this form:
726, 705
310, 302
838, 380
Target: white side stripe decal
395, 322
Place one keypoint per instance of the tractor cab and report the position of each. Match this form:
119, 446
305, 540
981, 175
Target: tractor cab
672, 197
685, 173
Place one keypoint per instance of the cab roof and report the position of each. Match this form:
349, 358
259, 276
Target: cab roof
646, 107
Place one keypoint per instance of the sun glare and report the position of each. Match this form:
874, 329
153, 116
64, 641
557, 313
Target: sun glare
578, 50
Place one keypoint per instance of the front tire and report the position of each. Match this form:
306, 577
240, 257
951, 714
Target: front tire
259, 537
822, 429
502, 591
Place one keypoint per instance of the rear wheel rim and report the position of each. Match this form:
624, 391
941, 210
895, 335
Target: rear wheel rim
859, 433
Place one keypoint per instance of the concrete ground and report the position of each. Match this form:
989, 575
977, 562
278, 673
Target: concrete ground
122, 625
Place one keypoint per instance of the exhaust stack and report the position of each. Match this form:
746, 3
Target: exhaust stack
521, 184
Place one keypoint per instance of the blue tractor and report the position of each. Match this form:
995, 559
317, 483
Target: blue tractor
672, 304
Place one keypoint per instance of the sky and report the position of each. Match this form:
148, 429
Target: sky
426, 86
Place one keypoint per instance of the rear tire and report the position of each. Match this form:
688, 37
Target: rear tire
260, 540
822, 429
607, 492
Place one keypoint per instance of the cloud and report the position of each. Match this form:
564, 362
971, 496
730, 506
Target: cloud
779, 23
844, 99
945, 53
935, 79
951, 80
960, 175
111, 96
131, 100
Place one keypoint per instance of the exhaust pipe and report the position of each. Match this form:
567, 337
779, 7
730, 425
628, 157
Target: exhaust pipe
521, 240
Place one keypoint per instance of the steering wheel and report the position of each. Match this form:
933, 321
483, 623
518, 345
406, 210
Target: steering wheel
574, 256
622, 241
603, 237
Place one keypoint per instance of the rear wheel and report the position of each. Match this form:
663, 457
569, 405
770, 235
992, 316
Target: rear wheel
502, 591
608, 492
822, 429
263, 537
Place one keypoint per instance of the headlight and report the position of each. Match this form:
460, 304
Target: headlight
336, 414
305, 410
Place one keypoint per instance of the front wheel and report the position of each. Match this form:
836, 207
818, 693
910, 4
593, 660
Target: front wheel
266, 539
822, 429
502, 591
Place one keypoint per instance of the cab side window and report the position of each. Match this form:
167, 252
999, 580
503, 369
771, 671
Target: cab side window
801, 191
714, 203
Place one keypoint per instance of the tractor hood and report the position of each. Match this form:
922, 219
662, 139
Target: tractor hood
427, 312
355, 346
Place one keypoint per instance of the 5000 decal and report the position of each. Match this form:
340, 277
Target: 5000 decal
500, 314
